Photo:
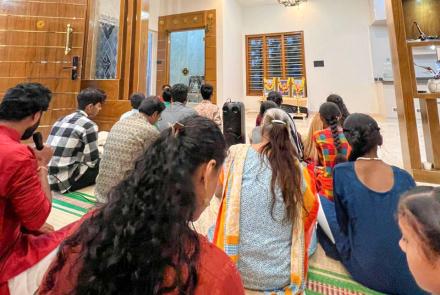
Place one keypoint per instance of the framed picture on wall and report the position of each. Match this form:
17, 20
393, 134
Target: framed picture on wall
269, 85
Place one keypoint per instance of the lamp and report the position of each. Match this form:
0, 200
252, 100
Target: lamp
290, 3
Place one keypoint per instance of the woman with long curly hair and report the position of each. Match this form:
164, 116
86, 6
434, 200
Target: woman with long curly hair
142, 241
332, 147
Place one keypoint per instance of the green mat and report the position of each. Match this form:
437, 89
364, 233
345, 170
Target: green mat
321, 280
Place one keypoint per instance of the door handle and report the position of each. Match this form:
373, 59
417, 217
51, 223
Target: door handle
69, 31
74, 67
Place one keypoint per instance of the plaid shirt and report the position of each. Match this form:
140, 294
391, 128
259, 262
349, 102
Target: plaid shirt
74, 139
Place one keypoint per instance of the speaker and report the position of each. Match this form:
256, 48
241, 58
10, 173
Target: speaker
234, 128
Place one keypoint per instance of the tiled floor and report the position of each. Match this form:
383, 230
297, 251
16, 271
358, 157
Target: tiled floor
390, 152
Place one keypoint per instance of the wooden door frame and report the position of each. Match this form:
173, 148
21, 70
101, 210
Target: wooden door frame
205, 19
131, 64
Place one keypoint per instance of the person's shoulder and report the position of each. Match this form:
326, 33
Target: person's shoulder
402, 174
344, 167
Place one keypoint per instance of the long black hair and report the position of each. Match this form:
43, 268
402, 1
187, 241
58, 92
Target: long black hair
420, 207
363, 134
337, 99
143, 233
331, 114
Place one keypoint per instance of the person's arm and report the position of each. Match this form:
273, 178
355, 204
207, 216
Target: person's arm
29, 199
218, 118
340, 207
91, 151
43, 158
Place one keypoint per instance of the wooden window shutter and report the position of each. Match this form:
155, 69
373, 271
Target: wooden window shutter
279, 55
255, 65
294, 56
274, 59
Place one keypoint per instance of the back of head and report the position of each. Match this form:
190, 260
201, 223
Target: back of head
144, 231
309, 144
420, 209
151, 105
330, 114
24, 100
267, 105
136, 100
166, 86
336, 99
90, 96
206, 91
283, 159
166, 95
362, 133
180, 93
276, 97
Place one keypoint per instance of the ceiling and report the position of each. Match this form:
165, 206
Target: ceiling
257, 2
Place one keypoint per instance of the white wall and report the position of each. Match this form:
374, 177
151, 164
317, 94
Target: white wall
233, 57
334, 31
168, 7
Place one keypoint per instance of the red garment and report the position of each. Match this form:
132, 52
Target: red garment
258, 121
327, 153
24, 208
217, 274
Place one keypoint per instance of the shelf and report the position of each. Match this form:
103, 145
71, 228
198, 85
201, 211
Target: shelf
417, 43
427, 95
428, 176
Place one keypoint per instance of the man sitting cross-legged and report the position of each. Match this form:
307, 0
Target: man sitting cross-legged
127, 140
74, 138
27, 243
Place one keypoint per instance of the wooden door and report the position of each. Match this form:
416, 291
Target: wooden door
33, 40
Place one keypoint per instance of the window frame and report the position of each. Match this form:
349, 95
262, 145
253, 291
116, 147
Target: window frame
282, 35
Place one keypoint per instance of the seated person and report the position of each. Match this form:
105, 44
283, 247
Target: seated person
270, 209
362, 217
178, 109
256, 132
136, 99
142, 241
310, 149
206, 108
126, 142
419, 220
336, 99
25, 197
74, 138
167, 97
332, 148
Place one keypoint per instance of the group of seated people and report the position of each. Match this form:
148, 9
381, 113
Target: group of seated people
162, 165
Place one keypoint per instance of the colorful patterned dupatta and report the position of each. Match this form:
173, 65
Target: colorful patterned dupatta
227, 231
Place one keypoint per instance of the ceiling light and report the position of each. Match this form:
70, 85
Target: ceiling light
290, 3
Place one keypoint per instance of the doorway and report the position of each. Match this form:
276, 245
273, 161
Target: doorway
187, 61
187, 52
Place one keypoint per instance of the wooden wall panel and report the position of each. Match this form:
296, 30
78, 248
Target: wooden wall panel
32, 49
188, 21
426, 13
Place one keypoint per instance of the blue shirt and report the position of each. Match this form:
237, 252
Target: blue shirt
265, 242
368, 242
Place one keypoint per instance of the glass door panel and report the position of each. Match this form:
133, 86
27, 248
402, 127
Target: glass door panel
187, 61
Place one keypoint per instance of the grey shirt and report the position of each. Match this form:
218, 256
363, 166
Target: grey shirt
174, 113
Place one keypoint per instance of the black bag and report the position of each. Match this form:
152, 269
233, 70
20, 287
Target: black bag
234, 128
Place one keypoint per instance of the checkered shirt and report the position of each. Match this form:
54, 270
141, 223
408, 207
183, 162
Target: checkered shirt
74, 139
